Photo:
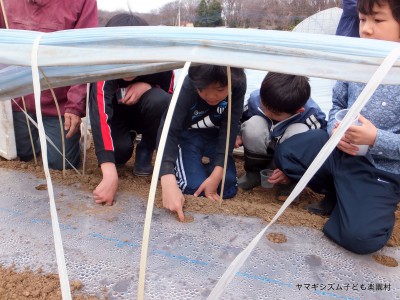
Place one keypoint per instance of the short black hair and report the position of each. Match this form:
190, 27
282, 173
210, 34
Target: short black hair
204, 75
126, 19
284, 93
366, 7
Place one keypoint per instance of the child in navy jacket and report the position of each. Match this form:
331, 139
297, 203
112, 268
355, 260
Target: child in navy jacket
280, 109
198, 129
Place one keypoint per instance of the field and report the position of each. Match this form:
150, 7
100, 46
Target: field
259, 203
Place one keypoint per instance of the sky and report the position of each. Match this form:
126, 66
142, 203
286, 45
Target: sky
141, 6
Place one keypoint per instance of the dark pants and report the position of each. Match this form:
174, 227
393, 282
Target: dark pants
366, 197
144, 117
52, 130
191, 171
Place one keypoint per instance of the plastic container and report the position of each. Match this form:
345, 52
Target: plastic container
265, 174
339, 116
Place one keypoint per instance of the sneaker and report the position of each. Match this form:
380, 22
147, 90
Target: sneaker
249, 180
321, 208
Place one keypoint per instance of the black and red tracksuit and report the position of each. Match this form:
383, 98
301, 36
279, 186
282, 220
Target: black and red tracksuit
112, 123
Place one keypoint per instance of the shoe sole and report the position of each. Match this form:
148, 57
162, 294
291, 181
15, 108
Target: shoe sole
318, 212
142, 174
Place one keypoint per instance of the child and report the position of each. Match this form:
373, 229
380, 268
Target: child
198, 129
119, 109
276, 112
362, 192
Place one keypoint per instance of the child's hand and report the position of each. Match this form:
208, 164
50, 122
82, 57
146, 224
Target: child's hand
239, 141
357, 135
172, 196
362, 135
210, 185
134, 92
278, 177
107, 188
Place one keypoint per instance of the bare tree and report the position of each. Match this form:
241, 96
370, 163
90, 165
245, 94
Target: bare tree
231, 14
169, 13
188, 10
266, 14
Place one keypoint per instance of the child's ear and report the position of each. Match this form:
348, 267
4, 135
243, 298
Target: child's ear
300, 110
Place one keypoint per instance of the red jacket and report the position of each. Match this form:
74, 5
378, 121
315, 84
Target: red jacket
49, 16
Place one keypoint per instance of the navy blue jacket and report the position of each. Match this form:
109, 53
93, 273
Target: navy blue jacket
312, 116
193, 113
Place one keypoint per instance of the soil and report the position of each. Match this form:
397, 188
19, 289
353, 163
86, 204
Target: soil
41, 187
35, 285
259, 202
385, 260
277, 238
188, 218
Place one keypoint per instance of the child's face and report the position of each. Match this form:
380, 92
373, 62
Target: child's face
213, 93
381, 25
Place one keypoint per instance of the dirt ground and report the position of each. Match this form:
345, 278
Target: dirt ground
35, 285
259, 202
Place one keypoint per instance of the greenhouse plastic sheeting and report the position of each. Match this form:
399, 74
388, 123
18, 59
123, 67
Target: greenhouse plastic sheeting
323, 22
102, 249
86, 55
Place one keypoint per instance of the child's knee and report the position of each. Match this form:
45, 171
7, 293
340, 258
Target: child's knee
231, 186
254, 127
230, 192
156, 100
123, 151
360, 240
255, 134
191, 186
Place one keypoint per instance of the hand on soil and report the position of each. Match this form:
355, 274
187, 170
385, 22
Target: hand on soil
172, 196
105, 192
209, 187
188, 218
107, 188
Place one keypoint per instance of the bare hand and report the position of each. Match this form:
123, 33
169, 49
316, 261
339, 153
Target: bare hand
239, 141
72, 124
172, 196
210, 185
105, 191
134, 92
357, 135
278, 177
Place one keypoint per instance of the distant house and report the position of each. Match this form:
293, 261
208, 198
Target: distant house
187, 24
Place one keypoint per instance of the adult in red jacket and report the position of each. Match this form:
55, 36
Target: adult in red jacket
49, 16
